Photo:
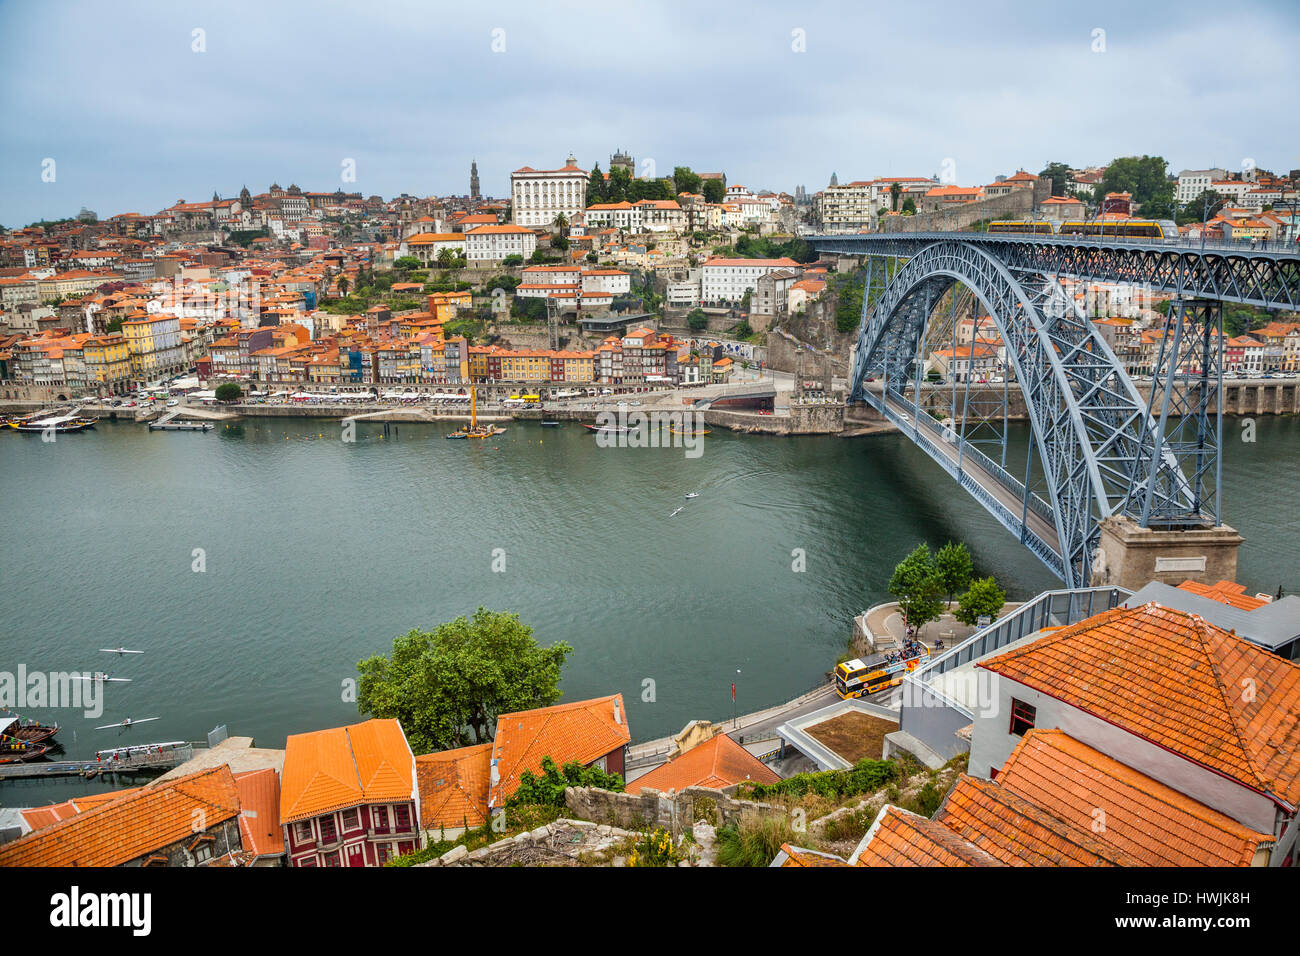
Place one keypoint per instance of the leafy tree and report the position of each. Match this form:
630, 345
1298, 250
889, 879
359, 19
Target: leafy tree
515, 260
448, 686
445, 258
697, 320
596, 188
1059, 174
984, 597
909, 206
685, 181
549, 788
228, 392
538, 257
1142, 176
406, 262
917, 587
895, 190
713, 190
953, 562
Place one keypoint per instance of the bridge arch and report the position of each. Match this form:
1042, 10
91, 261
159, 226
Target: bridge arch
1089, 426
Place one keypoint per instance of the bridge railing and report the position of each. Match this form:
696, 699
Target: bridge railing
1182, 243
1049, 609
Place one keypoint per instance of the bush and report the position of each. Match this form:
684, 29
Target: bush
754, 841
228, 392
548, 789
866, 776
654, 848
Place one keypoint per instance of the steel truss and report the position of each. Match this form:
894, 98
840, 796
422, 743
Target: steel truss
1093, 435
1269, 278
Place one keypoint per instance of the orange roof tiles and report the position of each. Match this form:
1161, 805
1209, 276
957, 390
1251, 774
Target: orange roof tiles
119, 831
1225, 592
901, 838
799, 856
1020, 833
259, 818
328, 770
39, 817
1176, 680
583, 731
1154, 823
454, 787
718, 762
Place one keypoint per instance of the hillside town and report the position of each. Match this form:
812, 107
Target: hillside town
580, 277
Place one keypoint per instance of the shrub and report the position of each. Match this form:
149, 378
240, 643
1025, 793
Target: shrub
866, 776
654, 848
754, 841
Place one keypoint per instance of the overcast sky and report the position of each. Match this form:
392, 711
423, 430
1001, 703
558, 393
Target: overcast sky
134, 118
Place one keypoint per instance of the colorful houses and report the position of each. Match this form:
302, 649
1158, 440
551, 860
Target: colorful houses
349, 796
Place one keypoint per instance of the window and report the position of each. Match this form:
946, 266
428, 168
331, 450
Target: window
302, 832
402, 817
383, 852
331, 859
1022, 717
350, 819
379, 818
328, 830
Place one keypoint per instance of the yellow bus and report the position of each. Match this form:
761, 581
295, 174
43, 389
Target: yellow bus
857, 678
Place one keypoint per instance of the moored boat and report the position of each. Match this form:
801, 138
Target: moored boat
13, 750
59, 423
30, 731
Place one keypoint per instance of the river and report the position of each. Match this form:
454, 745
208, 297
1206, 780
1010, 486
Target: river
318, 552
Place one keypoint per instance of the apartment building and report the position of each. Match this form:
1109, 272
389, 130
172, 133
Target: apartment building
725, 281
538, 196
489, 245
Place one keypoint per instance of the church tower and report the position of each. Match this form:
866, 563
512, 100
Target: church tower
473, 180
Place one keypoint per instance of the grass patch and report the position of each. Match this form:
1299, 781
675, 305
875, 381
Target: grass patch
754, 841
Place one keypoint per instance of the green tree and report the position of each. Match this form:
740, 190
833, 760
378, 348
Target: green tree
917, 587
697, 320
685, 181
953, 562
1059, 174
895, 190
406, 262
909, 206
515, 260
713, 190
1143, 176
228, 392
984, 597
343, 286
596, 188
448, 686
445, 258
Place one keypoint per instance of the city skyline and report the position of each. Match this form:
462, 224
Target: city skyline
781, 99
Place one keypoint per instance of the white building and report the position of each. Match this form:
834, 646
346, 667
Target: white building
540, 195
1193, 182
614, 215
489, 244
612, 281
724, 281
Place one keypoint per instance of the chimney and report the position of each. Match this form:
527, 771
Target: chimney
616, 718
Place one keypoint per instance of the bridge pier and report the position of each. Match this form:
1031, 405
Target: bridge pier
1131, 556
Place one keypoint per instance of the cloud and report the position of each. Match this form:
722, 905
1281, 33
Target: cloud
285, 91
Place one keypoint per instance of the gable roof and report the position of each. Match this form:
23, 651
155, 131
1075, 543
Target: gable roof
1190, 674
329, 770
900, 837
1143, 817
38, 817
119, 831
1019, 833
454, 787
718, 762
583, 731
259, 818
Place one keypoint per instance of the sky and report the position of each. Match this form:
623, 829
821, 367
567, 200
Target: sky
129, 106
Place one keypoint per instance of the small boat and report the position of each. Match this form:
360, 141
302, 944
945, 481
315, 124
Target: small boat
181, 426
474, 429
119, 650
13, 750
29, 731
59, 424
550, 424
692, 494
101, 677
677, 512
607, 429
127, 723
678, 431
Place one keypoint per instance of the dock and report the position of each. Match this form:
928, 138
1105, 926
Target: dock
117, 760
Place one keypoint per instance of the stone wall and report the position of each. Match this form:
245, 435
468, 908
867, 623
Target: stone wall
675, 812
1015, 205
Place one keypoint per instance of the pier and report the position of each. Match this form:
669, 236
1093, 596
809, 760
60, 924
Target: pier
105, 762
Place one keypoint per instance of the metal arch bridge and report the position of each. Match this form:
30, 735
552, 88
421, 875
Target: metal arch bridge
1099, 447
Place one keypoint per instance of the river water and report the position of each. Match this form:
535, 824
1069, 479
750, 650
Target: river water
318, 552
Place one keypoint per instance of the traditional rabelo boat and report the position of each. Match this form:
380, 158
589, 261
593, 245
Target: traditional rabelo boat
30, 731
59, 424
16, 751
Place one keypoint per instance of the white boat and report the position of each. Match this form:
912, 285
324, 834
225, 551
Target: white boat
692, 494
676, 513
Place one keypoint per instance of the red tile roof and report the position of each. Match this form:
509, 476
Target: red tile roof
583, 731
1178, 681
259, 817
329, 770
1019, 833
718, 762
454, 787
1124, 808
119, 831
901, 838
